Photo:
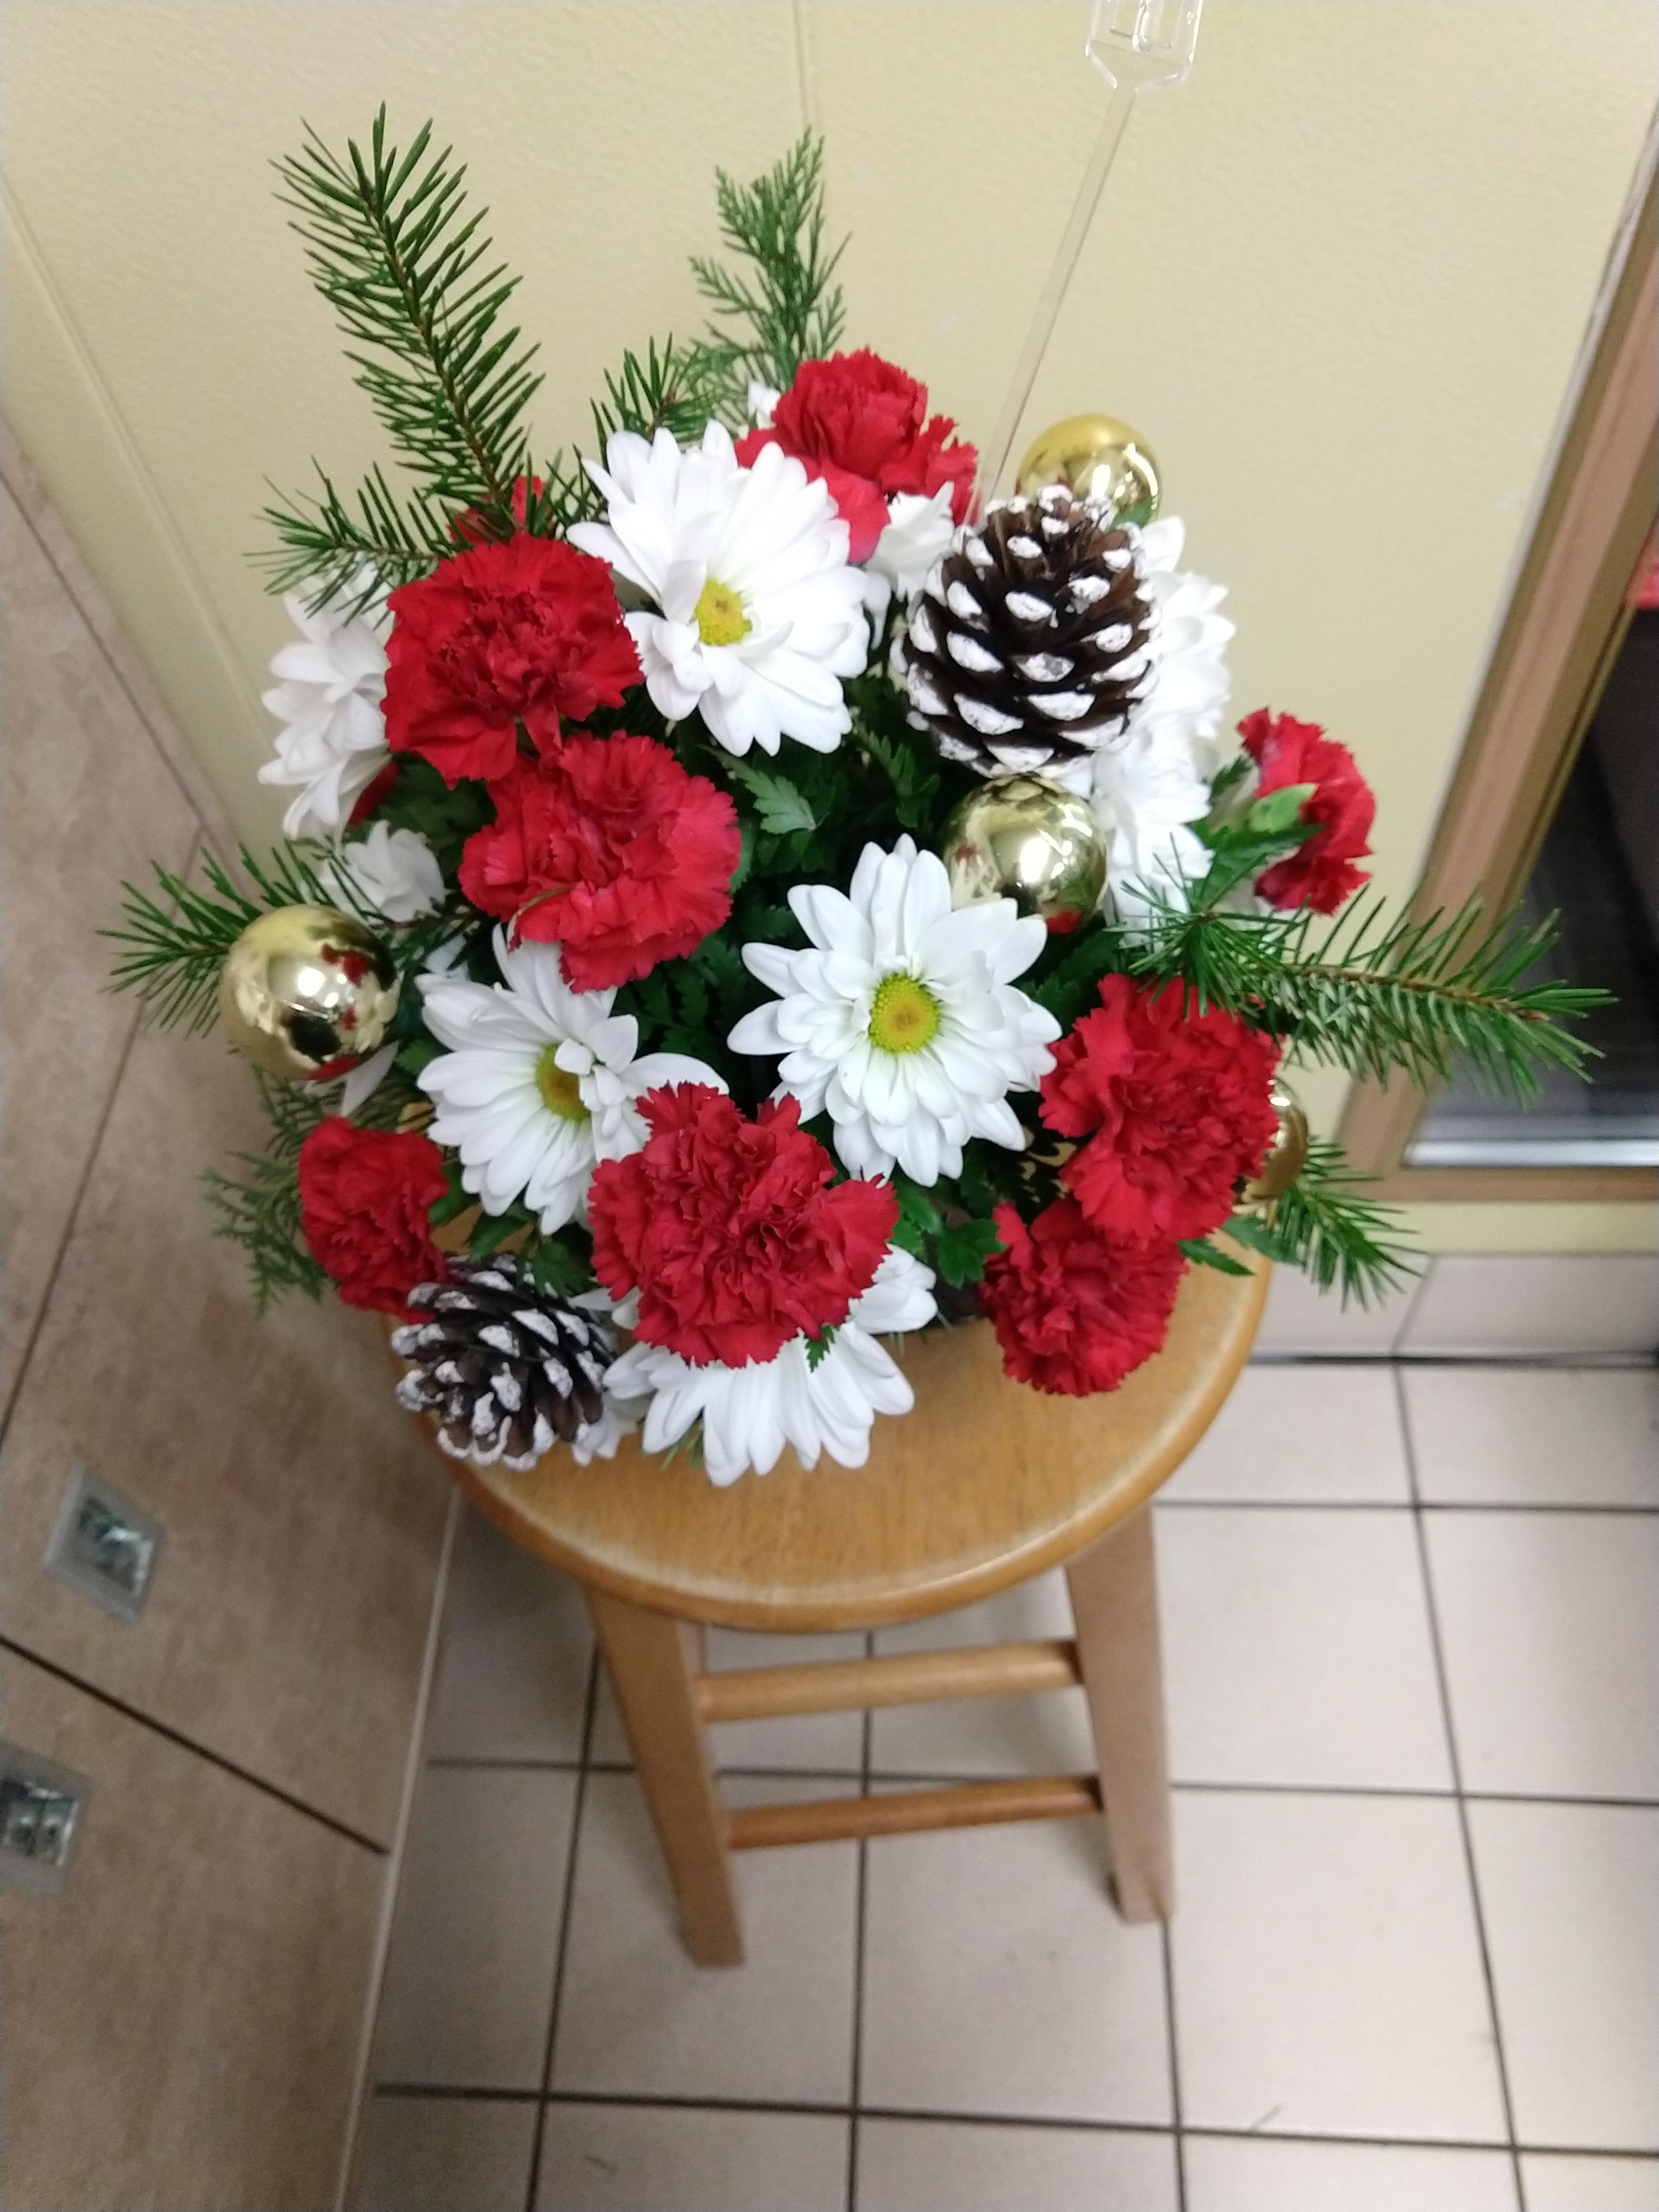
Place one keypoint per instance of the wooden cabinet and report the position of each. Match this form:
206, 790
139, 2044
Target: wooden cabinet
183, 2023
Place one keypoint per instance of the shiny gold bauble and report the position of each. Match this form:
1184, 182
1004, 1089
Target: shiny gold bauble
1023, 838
307, 992
1287, 1154
1099, 458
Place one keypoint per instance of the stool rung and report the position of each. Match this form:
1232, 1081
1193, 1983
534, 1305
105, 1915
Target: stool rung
906, 1812
906, 1678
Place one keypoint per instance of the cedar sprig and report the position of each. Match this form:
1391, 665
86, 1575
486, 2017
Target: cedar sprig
410, 275
789, 310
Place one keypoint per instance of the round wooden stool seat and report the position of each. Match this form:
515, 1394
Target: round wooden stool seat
985, 1483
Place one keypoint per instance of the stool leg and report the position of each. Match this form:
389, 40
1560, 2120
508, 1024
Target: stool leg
650, 1661
1114, 1587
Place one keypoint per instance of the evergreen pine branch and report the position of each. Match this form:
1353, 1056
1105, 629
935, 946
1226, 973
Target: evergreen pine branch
670, 389
1377, 996
789, 311
1323, 1224
258, 1208
411, 277
173, 946
347, 552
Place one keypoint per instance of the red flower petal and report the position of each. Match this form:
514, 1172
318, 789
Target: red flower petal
608, 847
732, 1230
365, 1195
1075, 1311
521, 631
1175, 1106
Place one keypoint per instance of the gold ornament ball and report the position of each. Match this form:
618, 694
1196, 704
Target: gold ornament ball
1099, 458
307, 992
1287, 1154
1023, 838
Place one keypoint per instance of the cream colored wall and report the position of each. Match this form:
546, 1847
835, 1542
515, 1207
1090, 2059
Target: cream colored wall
1339, 280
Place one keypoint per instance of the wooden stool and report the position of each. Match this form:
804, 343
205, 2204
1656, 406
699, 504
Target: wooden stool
984, 1485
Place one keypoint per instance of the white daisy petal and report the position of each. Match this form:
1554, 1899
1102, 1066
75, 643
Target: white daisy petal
759, 616
902, 1018
540, 1084
823, 1401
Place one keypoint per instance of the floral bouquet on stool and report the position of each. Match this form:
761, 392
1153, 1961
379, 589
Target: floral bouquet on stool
750, 895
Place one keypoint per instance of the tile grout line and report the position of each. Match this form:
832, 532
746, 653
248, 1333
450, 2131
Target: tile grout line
1443, 1683
1194, 1783
189, 1743
861, 1879
1188, 1505
1179, 2129
590, 1705
83, 1183
1076, 2124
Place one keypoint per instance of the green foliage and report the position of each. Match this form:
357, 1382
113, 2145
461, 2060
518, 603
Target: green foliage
409, 275
562, 1263
670, 389
913, 774
779, 805
1204, 1253
788, 311
1378, 996
258, 1207
347, 551
173, 946
1324, 1225
935, 1225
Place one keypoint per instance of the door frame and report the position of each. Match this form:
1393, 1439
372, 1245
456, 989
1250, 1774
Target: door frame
1566, 619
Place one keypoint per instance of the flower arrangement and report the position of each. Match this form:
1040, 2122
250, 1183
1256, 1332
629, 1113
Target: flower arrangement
750, 893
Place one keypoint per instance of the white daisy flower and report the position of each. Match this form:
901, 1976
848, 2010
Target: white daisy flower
540, 1082
757, 615
333, 742
749, 1413
900, 1018
394, 872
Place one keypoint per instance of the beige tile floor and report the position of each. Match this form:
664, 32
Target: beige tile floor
1413, 1684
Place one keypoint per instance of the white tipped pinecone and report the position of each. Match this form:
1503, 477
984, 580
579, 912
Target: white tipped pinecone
509, 1370
1026, 647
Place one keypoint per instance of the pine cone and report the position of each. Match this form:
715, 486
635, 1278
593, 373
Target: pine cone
508, 1369
1026, 646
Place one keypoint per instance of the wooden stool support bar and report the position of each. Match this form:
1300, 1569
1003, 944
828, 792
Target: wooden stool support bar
906, 1812
907, 1678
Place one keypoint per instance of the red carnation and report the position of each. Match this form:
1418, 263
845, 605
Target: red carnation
364, 1199
859, 424
1175, 1103
1073, 1311
1321, 873
523, 631
731, 1231
608, 847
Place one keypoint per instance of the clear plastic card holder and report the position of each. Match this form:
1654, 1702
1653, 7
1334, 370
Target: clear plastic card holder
1136, 44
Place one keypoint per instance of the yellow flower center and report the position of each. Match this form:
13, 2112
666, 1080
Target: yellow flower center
904, 1016
561, 1090
719, 617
